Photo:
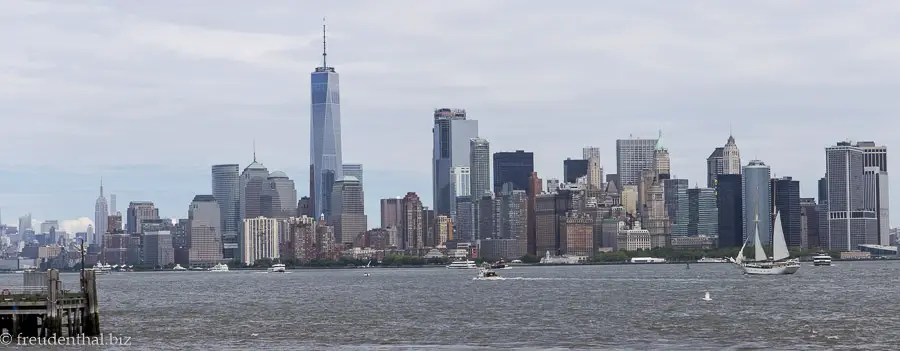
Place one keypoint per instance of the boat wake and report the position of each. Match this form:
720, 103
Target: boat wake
267, 272
490, 278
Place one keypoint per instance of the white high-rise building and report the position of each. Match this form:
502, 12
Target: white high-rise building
732, 157
260, 239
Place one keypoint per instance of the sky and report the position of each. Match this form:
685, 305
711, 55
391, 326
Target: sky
149, 94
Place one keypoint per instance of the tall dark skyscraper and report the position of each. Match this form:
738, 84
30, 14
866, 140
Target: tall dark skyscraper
823, 191
729, 196
512, 167
574, 169
786, 198
324, 134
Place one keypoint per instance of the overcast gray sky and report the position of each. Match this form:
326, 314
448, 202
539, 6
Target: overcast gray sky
149, 94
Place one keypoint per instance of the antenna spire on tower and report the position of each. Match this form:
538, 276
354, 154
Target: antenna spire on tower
254, 151
101, 185
324, 53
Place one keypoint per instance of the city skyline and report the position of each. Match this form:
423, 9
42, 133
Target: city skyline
55, 180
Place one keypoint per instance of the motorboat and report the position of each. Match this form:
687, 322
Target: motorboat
221, 267
178, 267
822, 259
485, 273
501, 264
467, 264
712, 260
277, 268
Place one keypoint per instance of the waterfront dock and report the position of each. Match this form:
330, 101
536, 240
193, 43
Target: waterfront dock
43, 307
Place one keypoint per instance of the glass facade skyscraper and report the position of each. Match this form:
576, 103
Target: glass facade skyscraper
452, 133
757, 200
512, 167
325, 137
226, 181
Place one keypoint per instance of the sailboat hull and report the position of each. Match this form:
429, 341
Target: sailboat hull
770, 268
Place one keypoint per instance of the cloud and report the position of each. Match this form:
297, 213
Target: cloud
93, 88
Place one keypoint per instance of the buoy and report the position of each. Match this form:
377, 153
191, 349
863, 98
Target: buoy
707, 298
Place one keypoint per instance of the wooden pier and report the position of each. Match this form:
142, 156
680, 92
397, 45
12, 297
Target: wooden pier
41, 307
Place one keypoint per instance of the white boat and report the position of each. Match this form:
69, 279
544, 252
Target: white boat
780, 262
221, 267
101, 268
277, 268
178, 267
564, 259
822, 259
467, 264
647, 260
712, 260
485, 273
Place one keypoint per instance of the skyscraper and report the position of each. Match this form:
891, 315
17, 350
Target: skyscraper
226, 181
757, 200
101, 213
138, 211
723, 160
411, 231
729, 201
480, 175
278, 198
452, 132
514, 168
632, 156
662, 163
204, 236
253, 178
702, 216
355, 170
391, 212
809, 223
876, 156
574, 169
715, 165
732, 157
112, 204
677, 205
850, 221
348, 209
786, 198
326, 164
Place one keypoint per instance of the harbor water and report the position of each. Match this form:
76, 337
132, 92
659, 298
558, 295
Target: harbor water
852, 305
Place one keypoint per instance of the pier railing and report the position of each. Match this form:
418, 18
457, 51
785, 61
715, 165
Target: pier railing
23, 290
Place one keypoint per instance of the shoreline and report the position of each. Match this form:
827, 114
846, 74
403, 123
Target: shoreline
302, 268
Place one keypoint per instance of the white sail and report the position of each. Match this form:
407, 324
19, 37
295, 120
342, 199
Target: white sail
760, 253
779, 245
740, 256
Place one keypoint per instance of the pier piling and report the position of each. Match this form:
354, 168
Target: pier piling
43, 308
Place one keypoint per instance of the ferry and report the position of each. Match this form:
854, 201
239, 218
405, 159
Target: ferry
712, 260
822, 259
564, 259
277, 268
221, 267
647, 260
101, 268
467, 264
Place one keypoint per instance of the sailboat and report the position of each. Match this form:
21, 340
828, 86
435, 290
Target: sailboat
779, 264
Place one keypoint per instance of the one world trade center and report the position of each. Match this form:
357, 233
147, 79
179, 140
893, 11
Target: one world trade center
325, 136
